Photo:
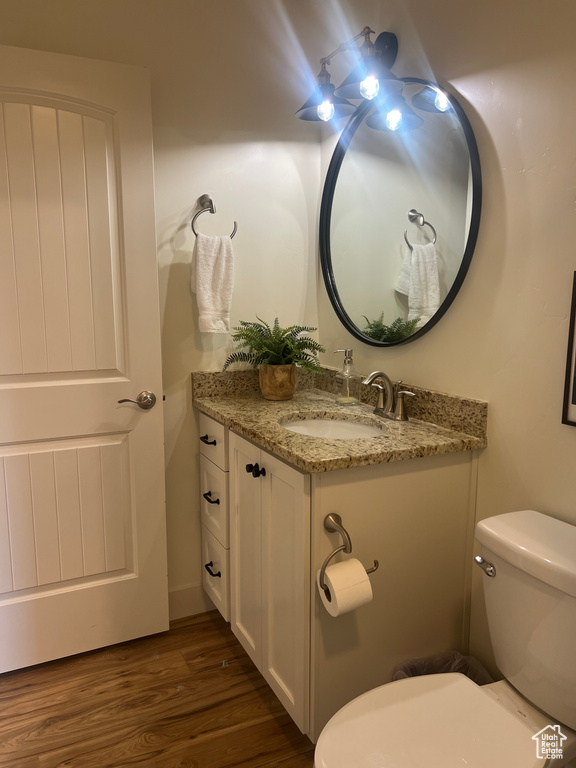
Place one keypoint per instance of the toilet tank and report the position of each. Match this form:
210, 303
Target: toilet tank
531, 606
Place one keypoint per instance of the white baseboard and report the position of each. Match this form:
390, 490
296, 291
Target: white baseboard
188, 602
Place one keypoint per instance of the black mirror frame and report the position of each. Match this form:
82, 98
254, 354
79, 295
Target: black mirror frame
326, 214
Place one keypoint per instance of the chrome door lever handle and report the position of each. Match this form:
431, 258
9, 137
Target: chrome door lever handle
144, 400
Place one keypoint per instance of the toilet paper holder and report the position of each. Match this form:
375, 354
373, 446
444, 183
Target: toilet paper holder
333, 523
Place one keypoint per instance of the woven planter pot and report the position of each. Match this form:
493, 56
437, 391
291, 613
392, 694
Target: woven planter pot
277, 382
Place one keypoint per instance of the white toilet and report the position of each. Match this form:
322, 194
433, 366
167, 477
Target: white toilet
446, 720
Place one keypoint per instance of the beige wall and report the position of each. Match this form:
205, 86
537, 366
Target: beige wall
226, 78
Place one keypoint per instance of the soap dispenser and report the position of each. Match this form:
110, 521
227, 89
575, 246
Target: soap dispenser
347, 381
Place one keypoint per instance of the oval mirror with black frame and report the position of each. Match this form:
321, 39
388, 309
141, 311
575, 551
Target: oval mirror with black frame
399, 216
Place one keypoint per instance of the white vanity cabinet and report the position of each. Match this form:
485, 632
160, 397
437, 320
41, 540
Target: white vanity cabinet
415, 517
270, 567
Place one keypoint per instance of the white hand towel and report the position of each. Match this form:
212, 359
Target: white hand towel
419, 274
212, 282
403, 282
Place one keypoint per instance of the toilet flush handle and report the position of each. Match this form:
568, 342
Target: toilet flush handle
487, 567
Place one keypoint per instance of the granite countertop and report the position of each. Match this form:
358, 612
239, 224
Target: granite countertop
260, 420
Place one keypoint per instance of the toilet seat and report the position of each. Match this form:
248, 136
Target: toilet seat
432, 721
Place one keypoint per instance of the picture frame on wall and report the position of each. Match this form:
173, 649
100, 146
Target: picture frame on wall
569, 406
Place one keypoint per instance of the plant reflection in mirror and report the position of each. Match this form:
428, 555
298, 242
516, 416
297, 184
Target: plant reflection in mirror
397, 331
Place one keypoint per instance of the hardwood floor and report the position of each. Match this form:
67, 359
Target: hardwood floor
187, 698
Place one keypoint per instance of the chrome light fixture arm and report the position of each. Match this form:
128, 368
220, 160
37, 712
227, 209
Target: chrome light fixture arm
366, 32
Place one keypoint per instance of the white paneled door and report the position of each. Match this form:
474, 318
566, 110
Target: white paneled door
82, 515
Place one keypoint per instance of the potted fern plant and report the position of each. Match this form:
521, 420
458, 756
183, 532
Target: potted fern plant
276, 352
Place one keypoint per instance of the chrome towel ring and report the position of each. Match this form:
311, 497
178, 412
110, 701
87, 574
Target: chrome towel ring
206, 205
418, 218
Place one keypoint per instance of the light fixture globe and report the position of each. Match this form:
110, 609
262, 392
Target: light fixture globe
431, 99
372, 76
369, 67
393, 115
324, 94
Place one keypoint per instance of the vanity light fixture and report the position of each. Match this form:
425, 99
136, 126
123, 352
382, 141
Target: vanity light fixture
371, 76
371, 79
432, 99
324, 104
392, 115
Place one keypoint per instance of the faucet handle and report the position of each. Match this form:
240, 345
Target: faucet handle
400, 410
381, 389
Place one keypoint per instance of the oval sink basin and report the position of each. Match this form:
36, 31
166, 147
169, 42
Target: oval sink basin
335, 429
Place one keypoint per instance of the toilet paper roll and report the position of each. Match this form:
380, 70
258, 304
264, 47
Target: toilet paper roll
348, 584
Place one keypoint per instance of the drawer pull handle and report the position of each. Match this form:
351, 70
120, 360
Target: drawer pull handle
208, 567
209, 499
255, 470
205, 440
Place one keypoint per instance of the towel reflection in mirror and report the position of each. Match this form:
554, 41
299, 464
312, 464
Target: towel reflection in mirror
419, 281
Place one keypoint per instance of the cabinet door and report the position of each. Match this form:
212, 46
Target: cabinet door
285, 585
246, 548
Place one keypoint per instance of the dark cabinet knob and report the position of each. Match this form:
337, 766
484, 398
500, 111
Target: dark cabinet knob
209, 499
255, 470
205, 440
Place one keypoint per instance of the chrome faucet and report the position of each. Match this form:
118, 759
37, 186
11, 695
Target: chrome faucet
385, 409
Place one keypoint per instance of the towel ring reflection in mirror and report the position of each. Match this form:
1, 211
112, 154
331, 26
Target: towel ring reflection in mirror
418, 218
207, 206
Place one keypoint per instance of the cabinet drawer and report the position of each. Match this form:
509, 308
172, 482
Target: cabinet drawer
214, 441
214, 500
216, 558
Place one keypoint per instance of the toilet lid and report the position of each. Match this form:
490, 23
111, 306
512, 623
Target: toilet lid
432, 721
